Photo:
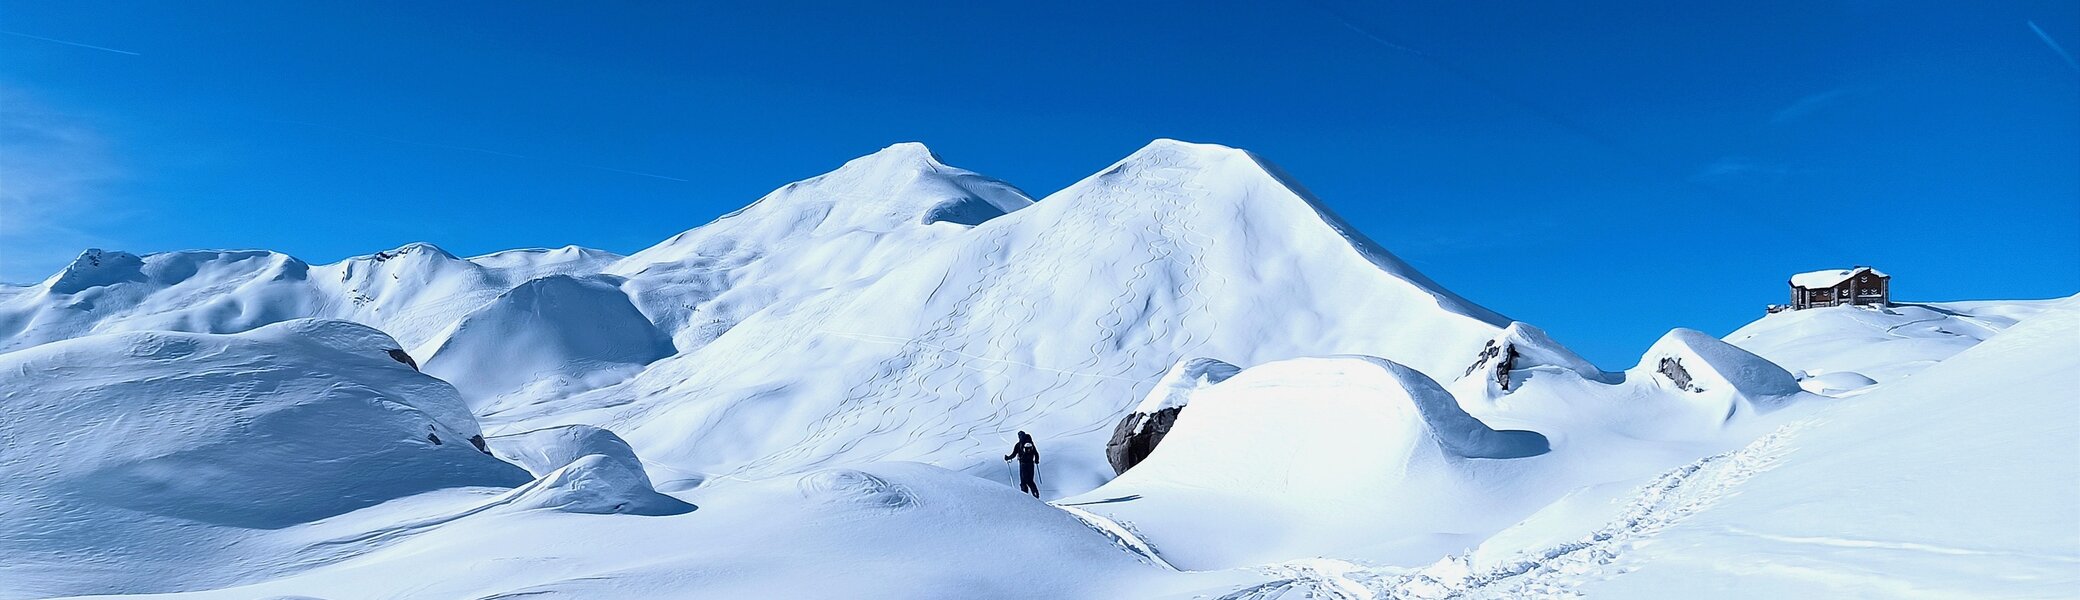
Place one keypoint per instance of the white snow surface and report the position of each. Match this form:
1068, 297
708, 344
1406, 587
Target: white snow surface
1958, 482
1187, 376
1179, 250
146, 460
1882, 344
1360, 458
741, 410
556, 331
410, 292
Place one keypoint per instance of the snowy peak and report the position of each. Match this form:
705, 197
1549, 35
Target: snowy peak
1236, 197
899, 187
898, 154
95, 268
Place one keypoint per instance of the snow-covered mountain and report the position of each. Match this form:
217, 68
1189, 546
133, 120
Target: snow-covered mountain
410, 292
1054, 319
724, 415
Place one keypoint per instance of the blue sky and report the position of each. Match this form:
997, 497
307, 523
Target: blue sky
1606, 171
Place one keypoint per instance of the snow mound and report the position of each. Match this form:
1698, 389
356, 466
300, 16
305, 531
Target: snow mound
1836, 383
1309, 456
545, 332
598, 484
1693, 361
1516, 354
1883, 344
545, 450
149, 451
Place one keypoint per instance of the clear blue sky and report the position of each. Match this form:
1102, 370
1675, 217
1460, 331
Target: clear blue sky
1605, 171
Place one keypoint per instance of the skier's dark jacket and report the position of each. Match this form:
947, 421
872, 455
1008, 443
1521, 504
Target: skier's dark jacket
1027, 453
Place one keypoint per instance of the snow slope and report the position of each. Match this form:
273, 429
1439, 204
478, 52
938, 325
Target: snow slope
558, 331
728, 414
1360, 458
856, 223
1851, 343
1959, 482
884, 531
1054, 319
410, 292
153, 460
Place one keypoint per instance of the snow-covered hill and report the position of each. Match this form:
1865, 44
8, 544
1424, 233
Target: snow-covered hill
155, 460
729, 414
1363, 459
410, 292
1055, 319
1843, 348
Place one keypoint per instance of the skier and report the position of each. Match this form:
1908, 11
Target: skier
1028, 460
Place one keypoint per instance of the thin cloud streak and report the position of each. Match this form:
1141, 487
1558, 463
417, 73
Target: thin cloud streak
2061, 50
1806, 106
59, 41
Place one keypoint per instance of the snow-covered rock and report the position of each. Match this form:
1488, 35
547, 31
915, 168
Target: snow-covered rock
1697, 363
1309, 457
1138, 433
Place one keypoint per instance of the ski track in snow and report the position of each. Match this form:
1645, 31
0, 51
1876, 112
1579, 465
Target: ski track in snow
1120, 534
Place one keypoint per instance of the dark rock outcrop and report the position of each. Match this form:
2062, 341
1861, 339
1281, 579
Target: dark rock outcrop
400, 355
1137, 435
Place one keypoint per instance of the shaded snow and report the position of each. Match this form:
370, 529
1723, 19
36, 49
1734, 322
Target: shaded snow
148, 460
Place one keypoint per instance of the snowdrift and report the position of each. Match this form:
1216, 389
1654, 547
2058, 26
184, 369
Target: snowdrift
882, 531
1880, 344
1862, 502
1361, 458
138, 461
582, 469
557, 331
1305, 456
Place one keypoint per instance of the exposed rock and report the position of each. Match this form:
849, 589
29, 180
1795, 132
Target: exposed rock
1137, 435
400, 355
1140, 431
1672, 368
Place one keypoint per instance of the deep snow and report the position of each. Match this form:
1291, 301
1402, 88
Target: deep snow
740, 411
